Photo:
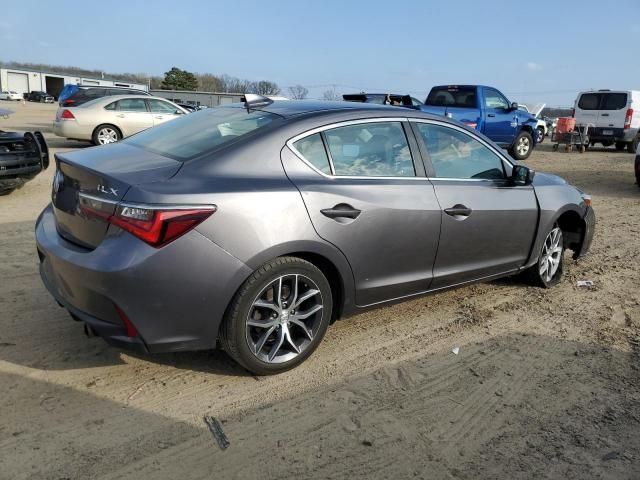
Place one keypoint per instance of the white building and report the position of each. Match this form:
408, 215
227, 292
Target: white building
24, 81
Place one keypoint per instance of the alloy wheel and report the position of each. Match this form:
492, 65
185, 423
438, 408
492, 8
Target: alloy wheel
107, 135
551, 255
523, 146
284, 318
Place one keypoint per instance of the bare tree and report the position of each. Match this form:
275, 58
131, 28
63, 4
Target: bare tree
207, 82
298, 92
331, 95
265, 87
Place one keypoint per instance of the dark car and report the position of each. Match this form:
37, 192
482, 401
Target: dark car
190, 107
383, 99
23, 155
256, 225
76, 95
39, 96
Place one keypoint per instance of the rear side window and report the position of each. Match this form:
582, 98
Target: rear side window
452, 96
312, 149
197, 133
373, 149
589, 101
613, 101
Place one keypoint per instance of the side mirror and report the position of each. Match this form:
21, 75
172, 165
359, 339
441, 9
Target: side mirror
522, 175
514, 106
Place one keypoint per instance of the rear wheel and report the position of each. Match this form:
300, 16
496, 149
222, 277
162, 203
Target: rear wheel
104, 134
548, 269
633, 145
521, 148
620, 146
278, 317
6, 192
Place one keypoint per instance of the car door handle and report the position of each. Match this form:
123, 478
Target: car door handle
458, 210
604, 114
120, 115
342, 210
159, 117
491, 114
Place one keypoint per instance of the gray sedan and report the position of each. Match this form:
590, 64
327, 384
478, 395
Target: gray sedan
254, 226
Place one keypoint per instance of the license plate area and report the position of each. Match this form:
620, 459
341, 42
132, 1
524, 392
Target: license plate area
607, 132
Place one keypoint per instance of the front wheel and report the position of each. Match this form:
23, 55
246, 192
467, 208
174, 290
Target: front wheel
548, 269
278, 317
522, 146
540, 135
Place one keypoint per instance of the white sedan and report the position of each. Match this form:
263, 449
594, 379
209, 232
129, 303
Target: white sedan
109, 119
10, 95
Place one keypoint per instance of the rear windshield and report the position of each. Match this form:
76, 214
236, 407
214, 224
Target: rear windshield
602, 101
452, 96
197, 133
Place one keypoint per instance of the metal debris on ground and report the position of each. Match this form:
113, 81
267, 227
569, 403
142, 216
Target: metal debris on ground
455, 350
216, 430
585, 283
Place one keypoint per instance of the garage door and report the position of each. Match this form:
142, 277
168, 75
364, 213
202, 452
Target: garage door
18, 82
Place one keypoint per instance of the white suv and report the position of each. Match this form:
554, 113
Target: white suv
613, 116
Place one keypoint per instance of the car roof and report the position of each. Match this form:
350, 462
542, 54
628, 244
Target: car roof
290, 108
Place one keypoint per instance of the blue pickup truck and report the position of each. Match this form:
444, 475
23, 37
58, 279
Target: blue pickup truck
488, 111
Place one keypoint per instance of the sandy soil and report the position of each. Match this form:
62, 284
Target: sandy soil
545, 385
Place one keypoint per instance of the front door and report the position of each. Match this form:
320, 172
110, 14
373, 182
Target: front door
500, 120
365, 195
162, 111
488, 225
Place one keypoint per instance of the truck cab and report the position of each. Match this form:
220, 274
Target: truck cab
489, 111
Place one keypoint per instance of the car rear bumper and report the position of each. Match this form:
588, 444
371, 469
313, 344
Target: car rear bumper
600, 134
175, 296
71, 129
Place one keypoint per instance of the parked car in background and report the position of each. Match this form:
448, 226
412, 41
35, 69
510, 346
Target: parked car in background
75, 95
614, 117
23, 155
109, 119
383, 99
637, 165
541, 126
189, 107
254, 225
39, 96
552, 123
488, 111
10, 95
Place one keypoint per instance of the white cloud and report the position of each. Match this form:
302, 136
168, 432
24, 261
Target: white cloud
533, 66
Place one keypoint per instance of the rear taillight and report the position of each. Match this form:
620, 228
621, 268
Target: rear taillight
627, 119
157, 227
67, 115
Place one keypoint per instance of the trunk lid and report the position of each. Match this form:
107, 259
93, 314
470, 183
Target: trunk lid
88, 185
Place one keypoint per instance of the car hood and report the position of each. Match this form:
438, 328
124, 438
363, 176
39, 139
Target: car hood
543, 179
536, 108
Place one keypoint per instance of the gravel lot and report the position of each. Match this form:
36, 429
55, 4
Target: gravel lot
546, 384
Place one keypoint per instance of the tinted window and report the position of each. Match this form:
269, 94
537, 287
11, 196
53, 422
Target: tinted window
132, 105
375, 149
159, 106
589, 101
613, 101
312, 149
493, 99
455, 154
195, 134
95, 92
112, 106
452, 96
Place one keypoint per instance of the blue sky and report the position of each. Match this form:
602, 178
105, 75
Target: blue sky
543, 51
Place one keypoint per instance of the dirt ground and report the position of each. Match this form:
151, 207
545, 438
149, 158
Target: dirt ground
546, 383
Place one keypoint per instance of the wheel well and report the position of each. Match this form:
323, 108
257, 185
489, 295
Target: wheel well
106, 125
330, 271
572, 227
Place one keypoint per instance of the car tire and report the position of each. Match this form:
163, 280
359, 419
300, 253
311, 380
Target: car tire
547, 271
632, 146
6, 192
104, 132
522, 146
540, 133
620, 146
267, 336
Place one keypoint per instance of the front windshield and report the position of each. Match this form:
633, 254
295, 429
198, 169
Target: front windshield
197, 133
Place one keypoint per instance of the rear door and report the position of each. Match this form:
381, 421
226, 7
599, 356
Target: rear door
162, 111
587, 108
132, 116
613, 109
366, 196
488, 225
500, 121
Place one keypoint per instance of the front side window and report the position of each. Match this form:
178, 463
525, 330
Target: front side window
312, 149
132, 105
455, 154
493, 99
158, 106
374, 149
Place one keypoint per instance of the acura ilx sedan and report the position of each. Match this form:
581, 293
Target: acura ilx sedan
254, 226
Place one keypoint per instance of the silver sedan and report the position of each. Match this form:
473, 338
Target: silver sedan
109, 119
